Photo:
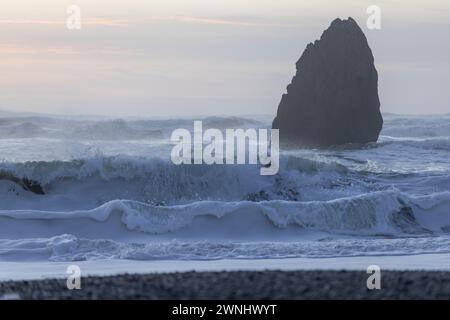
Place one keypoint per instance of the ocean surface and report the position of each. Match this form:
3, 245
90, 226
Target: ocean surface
111, 192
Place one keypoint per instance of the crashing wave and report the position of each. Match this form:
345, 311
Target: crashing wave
374, 214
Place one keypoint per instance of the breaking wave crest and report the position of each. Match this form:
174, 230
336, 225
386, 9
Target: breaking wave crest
384, 223
378, 213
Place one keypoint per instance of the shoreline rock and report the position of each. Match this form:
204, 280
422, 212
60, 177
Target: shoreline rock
333, 97
25, 183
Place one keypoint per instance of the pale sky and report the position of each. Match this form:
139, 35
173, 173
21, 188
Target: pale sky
206, 57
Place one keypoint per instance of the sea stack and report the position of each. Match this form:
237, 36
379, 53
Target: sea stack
333, 97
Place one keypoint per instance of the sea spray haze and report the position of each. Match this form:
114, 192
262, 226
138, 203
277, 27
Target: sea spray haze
112, 191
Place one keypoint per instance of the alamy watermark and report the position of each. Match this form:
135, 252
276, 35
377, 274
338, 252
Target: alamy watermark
74, 279
374, 280
374, 20
214, 147
73, 21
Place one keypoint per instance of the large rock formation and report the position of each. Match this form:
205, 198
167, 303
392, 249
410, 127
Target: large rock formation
333, 98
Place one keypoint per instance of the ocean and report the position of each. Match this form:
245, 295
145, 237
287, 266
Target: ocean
112, 192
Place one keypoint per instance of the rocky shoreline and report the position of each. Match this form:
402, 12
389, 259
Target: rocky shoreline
275, 285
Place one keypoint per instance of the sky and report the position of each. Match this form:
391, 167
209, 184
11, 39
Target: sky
206, 57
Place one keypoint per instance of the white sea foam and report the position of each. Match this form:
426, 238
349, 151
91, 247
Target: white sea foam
373, 214
70, 248
112, 193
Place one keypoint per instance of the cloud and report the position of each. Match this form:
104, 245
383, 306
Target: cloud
108, 22
84, 21
54, 50
214, 21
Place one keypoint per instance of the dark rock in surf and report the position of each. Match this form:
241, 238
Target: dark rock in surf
26, 184
333, 98
258, 196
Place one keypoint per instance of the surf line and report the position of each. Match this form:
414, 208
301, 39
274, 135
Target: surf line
209, 147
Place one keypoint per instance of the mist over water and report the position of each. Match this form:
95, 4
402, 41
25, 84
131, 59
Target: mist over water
111, 191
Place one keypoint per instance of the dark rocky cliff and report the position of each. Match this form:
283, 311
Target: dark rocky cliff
333, 97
